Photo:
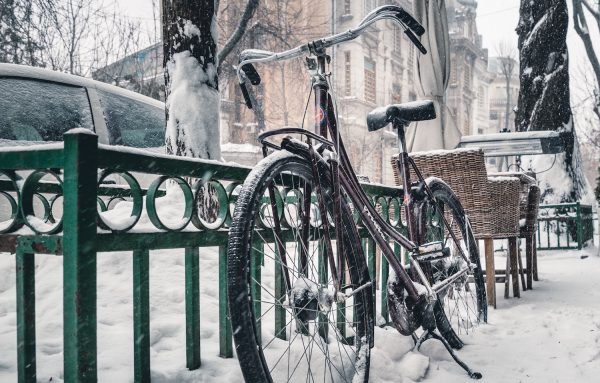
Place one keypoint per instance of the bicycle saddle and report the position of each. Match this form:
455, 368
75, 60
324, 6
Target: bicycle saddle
407, 112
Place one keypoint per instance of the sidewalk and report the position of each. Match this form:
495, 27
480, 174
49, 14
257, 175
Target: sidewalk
551, 334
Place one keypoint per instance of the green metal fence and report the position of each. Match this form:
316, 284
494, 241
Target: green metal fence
78, 175
564, 226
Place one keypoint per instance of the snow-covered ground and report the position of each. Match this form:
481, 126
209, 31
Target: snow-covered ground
551, 334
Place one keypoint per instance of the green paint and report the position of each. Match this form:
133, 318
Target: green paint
192, 307
79, 258
225, 346
26, 360
141, 315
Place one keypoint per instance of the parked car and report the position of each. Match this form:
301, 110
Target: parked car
41, 105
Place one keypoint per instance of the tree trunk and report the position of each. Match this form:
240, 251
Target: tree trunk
544, 97
191, 91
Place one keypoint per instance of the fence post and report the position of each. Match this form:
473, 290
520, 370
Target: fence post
225, 346
79, 256
26, 360
579, 227
141, 315
192, 307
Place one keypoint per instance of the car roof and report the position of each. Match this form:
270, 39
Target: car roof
24, 71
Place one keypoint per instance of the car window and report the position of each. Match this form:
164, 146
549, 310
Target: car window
131, 122
34, 110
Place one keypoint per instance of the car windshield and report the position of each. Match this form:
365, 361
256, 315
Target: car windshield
34, 110
131, 122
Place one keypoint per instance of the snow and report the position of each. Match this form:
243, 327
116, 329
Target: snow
414, 365
239, 148
533, 35
551, 334
499, 179
193, 107
37, 147
442, 151
552, 177
80, 131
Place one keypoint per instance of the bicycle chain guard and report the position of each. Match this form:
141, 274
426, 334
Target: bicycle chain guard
407, 316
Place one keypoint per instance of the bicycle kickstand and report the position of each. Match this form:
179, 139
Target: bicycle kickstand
428, 334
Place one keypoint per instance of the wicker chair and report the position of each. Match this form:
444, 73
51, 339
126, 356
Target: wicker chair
492, 204
529, 207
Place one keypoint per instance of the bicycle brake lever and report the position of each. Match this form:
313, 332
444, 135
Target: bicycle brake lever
246, 95
410, 22
251, 73
411, 36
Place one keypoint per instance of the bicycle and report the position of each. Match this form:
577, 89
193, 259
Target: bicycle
295, 213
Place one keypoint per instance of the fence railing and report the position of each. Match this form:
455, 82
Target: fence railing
564, 226
57, 199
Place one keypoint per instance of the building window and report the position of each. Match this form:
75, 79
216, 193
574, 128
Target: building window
370, 84
481, 97
493, 115
396, 94
397, 39
411, 57
347, 74
412, 96
347, 7
369, 5
467, 74
453, 74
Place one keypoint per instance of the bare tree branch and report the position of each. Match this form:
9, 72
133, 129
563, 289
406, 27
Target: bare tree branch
235, 37
589, 7
581, 27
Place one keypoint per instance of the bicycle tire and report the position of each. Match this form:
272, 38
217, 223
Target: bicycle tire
256, 361
459, 309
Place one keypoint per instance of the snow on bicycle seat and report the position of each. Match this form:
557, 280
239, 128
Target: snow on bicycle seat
407, 112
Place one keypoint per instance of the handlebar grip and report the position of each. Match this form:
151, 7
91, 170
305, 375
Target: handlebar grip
410, 22
246, 95
415, 41
251, 73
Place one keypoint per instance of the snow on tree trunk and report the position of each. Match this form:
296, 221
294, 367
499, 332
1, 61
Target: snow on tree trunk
192, 93
544, 97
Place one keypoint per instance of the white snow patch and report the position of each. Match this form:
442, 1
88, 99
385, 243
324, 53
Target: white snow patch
190, 29
239, 148
80, 131
556, 326
414, 365
193, 107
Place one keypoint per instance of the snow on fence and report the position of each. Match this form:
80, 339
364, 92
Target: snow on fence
85, 198
565, 226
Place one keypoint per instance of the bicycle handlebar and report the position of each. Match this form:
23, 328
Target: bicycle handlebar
394, 12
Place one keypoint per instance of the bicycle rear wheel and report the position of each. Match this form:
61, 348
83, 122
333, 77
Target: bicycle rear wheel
295, 331
461, 303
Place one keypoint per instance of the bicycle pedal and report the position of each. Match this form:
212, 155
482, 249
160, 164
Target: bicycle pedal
431, 251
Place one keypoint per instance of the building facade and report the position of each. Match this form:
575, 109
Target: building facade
499, 98
468, 90
376, 69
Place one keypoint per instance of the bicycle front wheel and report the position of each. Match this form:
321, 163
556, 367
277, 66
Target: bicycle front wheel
462, 302
289, 322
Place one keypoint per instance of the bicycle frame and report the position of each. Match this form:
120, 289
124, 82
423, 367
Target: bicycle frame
326, 123
341, 168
